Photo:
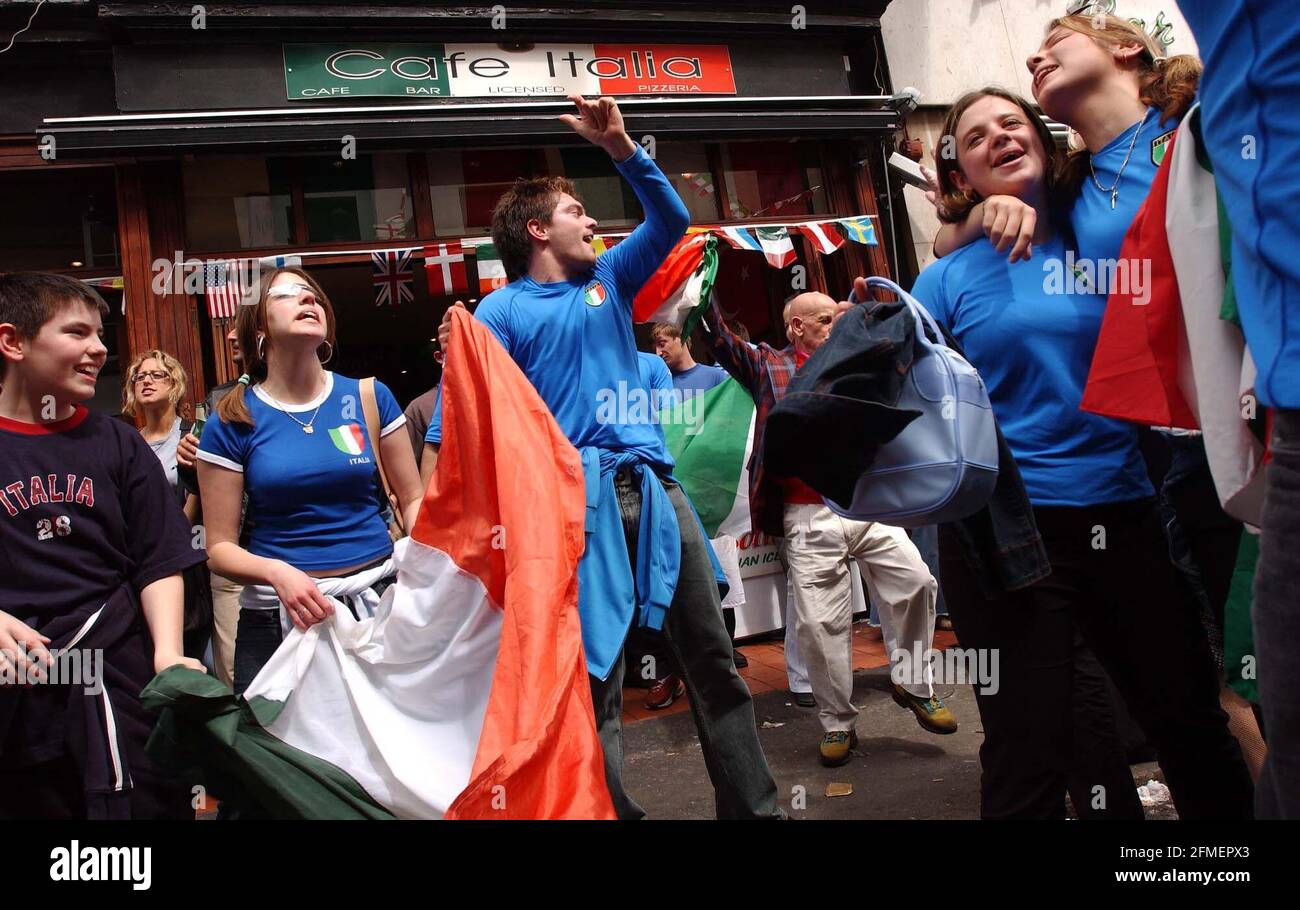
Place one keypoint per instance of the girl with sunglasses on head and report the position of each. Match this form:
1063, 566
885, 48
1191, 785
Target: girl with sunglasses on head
294, 438
1050, 725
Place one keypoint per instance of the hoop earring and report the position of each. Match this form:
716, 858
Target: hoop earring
329, 357
261, 348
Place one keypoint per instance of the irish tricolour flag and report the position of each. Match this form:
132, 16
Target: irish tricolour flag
679, 290
491, 270
349, 438
466, 694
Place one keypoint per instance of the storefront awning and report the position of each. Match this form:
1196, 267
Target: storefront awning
492, 123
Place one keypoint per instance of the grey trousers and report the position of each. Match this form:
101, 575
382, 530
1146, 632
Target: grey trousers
720, 701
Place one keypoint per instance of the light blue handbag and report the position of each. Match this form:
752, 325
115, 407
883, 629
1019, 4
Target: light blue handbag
944, 464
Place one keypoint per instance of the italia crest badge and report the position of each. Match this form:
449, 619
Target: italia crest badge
1159, 146
594, 295
348, 439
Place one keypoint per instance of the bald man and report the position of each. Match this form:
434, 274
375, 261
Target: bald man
820, 545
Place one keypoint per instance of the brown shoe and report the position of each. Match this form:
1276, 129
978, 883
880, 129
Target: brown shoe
664, 692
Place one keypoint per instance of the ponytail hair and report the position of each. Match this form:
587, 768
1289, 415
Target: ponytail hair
255, 343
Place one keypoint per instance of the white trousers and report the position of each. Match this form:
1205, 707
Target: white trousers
819, 547
796, 669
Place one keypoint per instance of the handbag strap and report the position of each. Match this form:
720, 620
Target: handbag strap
920, 315
370, 410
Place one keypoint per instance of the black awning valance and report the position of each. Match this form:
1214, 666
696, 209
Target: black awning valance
505, 123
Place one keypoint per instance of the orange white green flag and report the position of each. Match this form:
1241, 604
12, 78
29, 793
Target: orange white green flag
466, 694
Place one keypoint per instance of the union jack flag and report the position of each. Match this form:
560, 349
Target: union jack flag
393, 276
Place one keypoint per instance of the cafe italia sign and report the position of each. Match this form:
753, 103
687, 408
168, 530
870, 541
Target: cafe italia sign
314, 71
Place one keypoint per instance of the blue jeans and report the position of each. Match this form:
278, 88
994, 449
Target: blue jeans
256, 639
720, 701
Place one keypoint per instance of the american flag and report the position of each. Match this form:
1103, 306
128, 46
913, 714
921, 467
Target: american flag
224, 285
392, 276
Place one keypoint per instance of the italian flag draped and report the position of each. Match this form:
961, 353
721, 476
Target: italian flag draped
679, 290
466, 695
1172, 361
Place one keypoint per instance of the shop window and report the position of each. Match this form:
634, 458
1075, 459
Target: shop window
464, 186
605, 195
247, 203
363, 199
768, 180
393, 343
686, 165
63, 218
237, 203
751, 292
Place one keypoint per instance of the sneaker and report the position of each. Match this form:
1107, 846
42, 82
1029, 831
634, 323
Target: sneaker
931, 713
836, 746
664, 692
804, 699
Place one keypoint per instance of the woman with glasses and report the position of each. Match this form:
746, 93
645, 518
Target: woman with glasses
294, 438
154, 390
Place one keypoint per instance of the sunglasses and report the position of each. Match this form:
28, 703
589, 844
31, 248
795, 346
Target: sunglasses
286, 291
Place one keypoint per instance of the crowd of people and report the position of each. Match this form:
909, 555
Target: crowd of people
101, 524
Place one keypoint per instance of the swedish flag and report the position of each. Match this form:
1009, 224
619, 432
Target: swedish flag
859, 230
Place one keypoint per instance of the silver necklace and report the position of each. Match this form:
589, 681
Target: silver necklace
1114, 190
306, 427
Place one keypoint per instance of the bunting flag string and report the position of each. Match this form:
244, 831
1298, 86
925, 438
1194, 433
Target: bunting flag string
446, 262
393, 276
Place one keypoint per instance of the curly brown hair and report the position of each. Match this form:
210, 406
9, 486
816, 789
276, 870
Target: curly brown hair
529, 199
170, 365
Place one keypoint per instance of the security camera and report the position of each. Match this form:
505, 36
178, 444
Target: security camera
905, 101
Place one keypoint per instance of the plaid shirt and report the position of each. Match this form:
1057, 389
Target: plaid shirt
766, 372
